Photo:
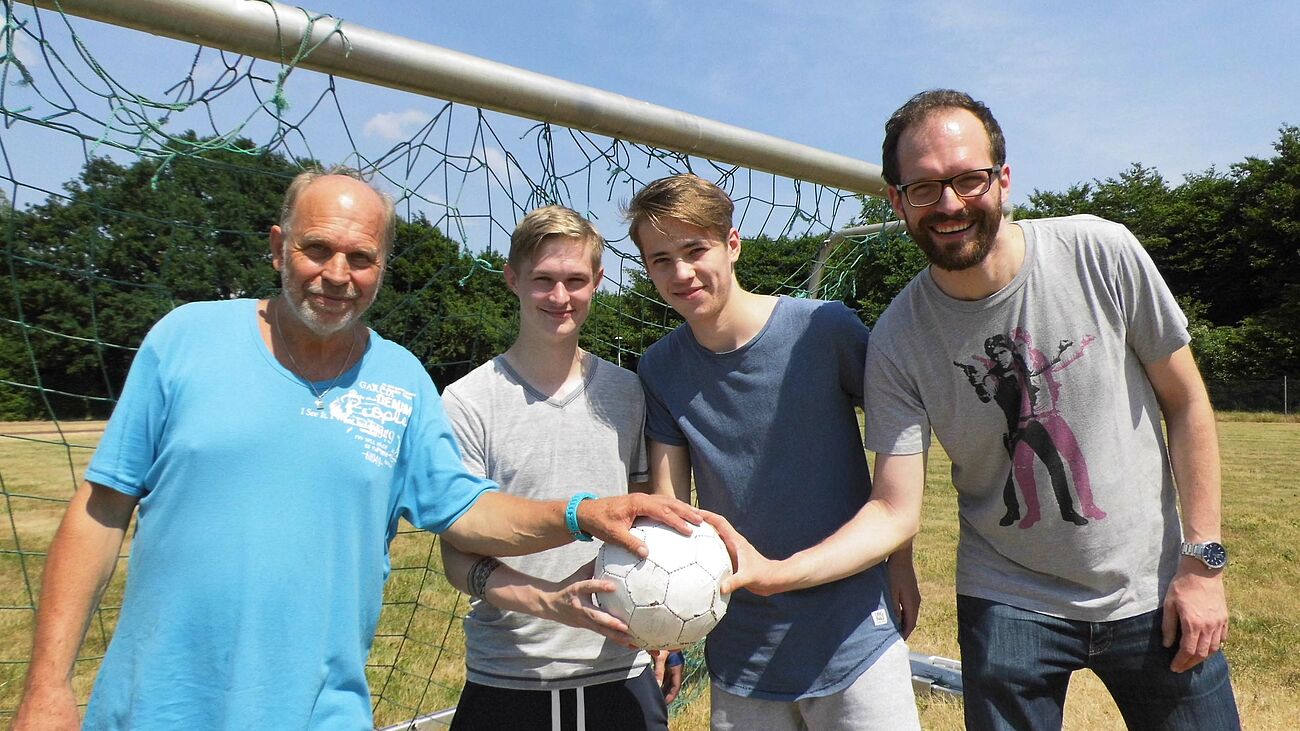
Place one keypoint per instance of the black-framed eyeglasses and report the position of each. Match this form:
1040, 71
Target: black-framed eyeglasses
970, 184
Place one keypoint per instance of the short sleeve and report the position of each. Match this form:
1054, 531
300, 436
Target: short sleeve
659, 423
470, 432
639, 464
895, 418
1156, 325
436, 486
132, 439
850, 344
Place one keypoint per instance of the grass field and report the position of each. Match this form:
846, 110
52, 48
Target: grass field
417, 658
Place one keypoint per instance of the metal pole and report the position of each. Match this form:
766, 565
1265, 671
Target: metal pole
274, 31
819, 264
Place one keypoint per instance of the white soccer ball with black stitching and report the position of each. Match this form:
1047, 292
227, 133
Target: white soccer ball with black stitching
670, 598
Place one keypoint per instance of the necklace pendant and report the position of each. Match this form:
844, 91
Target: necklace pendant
320, 404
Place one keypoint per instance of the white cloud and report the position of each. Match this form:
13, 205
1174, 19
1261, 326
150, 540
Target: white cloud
396, 126
210, 69
24, 49
497, 161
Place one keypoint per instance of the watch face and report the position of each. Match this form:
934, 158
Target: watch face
1215, 555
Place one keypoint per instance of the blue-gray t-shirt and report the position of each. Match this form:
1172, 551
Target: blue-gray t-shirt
775, 448
261, 547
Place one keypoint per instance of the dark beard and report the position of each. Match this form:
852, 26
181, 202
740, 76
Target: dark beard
970, 253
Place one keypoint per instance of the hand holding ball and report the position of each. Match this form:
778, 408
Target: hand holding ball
670, 598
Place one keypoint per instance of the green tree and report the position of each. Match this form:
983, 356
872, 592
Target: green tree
452, 310
92, 268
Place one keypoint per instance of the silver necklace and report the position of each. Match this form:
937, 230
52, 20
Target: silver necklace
320, 395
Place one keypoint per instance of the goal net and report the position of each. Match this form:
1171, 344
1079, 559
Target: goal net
131, 183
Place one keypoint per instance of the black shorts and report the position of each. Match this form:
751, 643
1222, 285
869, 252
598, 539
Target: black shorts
621, 705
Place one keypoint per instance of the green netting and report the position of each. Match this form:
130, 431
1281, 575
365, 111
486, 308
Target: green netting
176, 182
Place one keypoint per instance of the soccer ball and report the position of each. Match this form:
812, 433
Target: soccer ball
670, 598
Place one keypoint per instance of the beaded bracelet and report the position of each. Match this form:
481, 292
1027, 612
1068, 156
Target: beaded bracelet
479, 574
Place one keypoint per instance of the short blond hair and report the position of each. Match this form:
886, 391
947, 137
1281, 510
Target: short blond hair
687, 198
553, 221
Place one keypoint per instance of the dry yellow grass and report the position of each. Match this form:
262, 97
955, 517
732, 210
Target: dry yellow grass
417, 661
1261, 489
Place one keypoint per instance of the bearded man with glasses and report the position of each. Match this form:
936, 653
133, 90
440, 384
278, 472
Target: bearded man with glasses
1132, 588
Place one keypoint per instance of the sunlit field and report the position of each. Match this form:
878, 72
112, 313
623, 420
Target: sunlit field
418, 655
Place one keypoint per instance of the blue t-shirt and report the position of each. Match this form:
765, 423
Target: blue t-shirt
261, 549
775, 448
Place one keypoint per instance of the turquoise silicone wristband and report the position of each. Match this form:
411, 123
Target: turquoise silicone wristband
571, 516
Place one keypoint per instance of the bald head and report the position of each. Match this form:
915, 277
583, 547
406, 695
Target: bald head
348, 190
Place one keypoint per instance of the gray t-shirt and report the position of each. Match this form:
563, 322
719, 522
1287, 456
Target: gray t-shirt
775, 448
1039, 395
590, 440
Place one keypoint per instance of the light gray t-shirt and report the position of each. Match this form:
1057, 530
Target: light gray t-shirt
1040, 396
590, 440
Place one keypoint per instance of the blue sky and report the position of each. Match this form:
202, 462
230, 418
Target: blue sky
1081, 89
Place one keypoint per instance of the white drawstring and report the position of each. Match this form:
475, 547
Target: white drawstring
582, 710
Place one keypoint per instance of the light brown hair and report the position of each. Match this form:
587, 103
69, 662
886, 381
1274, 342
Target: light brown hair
687, 198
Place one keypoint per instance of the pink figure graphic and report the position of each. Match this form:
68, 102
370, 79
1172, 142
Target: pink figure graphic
1026, 389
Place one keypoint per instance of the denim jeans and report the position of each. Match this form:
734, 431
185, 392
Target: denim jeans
1016, 666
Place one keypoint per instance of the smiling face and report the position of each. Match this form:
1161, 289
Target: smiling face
955, 233
555, 287
331, 259
691, 267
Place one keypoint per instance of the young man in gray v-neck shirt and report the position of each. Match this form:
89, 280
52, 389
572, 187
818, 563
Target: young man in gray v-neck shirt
547, 419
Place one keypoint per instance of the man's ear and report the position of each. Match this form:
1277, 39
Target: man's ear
733, 244
512, 279
896, 201
276, 238
600, 275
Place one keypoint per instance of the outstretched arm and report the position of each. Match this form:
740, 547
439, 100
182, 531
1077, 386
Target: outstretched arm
507, 525
567, 601
80, 563
1195, 604
888, 521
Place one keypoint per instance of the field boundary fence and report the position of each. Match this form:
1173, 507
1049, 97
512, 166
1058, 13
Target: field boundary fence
1277, 395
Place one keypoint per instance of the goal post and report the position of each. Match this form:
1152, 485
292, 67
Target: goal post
280, 33
159, 216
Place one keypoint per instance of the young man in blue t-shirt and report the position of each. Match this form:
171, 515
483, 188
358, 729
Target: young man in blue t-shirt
754, 397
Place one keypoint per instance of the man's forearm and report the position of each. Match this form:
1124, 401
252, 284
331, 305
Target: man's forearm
1193, 443
876, 532
79, 565
507, 525
503, 587
882, 526
1194, 457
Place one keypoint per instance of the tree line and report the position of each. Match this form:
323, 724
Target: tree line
88, 270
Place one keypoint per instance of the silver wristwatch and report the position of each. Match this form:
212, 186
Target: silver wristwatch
1212, 553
